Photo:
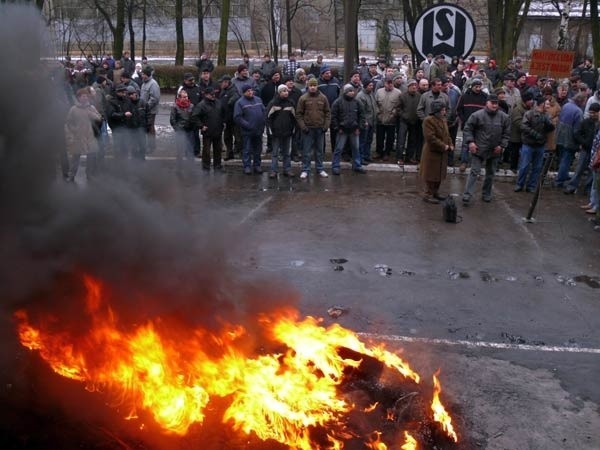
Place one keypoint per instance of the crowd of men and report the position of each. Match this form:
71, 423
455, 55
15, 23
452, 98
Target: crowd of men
505, 117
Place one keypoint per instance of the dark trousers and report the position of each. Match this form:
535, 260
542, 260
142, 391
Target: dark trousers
511, 155
410, 141
151, 131
217, 148
232, 134
384, 139
453, 132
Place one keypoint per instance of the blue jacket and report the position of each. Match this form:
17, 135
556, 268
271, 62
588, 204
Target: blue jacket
330, 89
249, 114
568, 121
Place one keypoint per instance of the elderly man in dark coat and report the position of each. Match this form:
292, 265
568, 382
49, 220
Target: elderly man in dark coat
437, 145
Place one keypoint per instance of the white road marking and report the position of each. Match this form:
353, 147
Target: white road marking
256, 209
479, 344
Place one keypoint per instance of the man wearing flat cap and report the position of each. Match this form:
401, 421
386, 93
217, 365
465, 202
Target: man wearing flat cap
486, 134
150, 93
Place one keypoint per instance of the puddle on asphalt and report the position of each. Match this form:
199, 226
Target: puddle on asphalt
405, 272
338, 268
510, 278
487, 277
338, 261
453, 275
515, 339
297, 263
383, 270
565, 280
592, 282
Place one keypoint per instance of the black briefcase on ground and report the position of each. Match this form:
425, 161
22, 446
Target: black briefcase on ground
449, 210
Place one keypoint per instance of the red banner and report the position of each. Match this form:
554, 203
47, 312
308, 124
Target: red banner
551, 63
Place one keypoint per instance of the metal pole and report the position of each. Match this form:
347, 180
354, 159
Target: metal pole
548, 157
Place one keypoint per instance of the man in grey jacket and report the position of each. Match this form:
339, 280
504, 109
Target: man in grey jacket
150, 94
366, 99
486, 134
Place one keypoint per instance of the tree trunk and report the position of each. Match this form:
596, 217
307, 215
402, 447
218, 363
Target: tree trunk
579, 52
595, 31
222, 53
335, 28
131, 30
119, 33
350, 37
144, 18
274, 32
563, 31
505, 26
179, 33
200, 27
288, 26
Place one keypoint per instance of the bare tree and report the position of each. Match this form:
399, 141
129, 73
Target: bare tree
131, 6
179, 41
117, 28
222, 52
506, 19
350, 36
595, 30
563, 30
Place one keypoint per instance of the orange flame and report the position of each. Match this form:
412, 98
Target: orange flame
439, 412
173, 376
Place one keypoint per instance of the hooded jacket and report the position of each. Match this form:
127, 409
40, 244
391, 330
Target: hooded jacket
281, 117
347, 115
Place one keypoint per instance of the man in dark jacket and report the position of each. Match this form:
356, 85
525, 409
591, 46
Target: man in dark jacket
228, 95
584, 137
347, 119
195, 96
473, 100
268, 93
410, 131
208, 117
486, 133
330, 87
120, 109
249, 114
535, 126
137, 124
281, 121
294, 95
204, 63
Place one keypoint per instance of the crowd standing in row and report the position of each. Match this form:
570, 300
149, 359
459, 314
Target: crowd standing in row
412, 113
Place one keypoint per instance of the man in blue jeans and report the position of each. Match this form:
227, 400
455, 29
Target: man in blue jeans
249, 114
569, 119
347, 119
313, 116
535, 127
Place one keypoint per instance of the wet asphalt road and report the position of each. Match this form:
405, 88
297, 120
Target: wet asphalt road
476, 287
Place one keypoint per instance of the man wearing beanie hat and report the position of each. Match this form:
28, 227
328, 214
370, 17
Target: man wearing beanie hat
228, 95
331, 88
281, 123
366, 99
347, 120
410, 131
249, 114
534, 127
242, 77
150, 94
314, 117
474, 99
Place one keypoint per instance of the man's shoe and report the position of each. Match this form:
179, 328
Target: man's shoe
557, 185
219, 168
530, 190
323, 174
247, 170
486, 198
272, 174
304, 175
289, 174
466, 199
335, 171
590, 211
518, 188
439, 196
569, 190
588, 206
432, 200
463, 167
229, 157
360, 170
205, 167
258, 170
365, 163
